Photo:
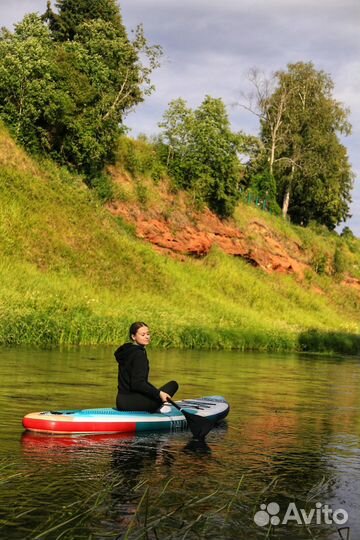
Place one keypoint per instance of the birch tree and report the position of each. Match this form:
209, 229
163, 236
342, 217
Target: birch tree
300, 126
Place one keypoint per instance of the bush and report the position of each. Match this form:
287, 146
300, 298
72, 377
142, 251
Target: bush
139, 157
319, 263
339, 263
104, 188
263, 189
347, 233
142, 193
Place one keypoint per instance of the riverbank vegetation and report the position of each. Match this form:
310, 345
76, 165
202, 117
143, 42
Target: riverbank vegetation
71, 273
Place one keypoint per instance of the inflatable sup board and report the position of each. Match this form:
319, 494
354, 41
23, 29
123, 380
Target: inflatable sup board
109, 420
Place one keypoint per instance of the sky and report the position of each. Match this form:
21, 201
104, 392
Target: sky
210, 46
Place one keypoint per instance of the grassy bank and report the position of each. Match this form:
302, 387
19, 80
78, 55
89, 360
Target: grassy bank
73, 274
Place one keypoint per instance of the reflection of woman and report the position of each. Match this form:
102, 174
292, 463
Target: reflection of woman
135, 393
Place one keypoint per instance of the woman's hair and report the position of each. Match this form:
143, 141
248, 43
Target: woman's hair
135, 327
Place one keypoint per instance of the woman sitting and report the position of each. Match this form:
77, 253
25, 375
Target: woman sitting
135, 392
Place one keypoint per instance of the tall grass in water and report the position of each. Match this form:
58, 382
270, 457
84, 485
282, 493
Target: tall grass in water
173, 509
219, 513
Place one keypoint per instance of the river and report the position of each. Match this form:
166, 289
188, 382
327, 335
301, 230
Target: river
288, 453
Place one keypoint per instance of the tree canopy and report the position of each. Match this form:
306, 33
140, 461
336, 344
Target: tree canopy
76, 76
202, 152
300, 125
71, 14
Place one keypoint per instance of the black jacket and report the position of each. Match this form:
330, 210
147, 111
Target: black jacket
134, 371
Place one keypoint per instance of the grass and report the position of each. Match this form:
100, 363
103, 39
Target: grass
319, 244
73, 274
170, 507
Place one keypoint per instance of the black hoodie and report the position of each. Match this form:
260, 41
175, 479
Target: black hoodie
134, 371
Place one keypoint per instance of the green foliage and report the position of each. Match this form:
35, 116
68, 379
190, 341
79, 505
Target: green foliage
347, 233
71, 273
263, 188
142, 193
104, 188
202, 153
300, 130
339, 264
140, 157
72, 13
330, 342
28, 90
319, 262
350, 242
65, 88
318, 228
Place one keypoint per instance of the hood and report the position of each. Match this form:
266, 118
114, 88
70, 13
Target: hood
123, 353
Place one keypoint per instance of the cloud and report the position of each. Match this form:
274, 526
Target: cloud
12, 12
211, 45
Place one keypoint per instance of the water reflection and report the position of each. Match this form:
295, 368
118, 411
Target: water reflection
40, 445
136, 461
292, 435
198, 447
131, 465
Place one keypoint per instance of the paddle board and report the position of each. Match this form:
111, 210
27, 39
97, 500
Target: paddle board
110, 420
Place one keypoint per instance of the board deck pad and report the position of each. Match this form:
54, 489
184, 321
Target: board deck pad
110, 420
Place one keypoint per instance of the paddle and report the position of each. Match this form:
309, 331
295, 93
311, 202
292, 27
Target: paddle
198, 425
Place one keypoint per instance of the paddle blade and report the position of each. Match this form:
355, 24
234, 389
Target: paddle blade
198, 425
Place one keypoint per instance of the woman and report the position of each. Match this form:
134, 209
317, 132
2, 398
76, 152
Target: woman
135, 393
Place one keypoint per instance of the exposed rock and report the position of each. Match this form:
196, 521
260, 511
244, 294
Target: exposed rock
195, 237
351, 282
171, 224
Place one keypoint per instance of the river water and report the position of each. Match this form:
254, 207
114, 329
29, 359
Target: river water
288, 453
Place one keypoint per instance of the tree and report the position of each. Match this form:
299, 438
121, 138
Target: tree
270, 113
203, 152
71, 14
300, 124
263, 188
99, 70
28, 88
68, 97
347, 233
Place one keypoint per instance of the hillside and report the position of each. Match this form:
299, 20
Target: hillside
74, 271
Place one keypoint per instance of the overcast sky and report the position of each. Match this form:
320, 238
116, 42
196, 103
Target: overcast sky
210, 46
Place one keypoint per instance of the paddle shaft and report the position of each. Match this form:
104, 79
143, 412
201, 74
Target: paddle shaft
174, 403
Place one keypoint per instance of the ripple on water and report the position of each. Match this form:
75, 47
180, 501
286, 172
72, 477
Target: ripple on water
292, 435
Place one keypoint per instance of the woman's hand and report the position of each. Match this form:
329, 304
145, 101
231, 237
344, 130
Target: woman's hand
164, 396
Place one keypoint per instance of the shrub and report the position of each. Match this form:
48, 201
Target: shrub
139, 157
